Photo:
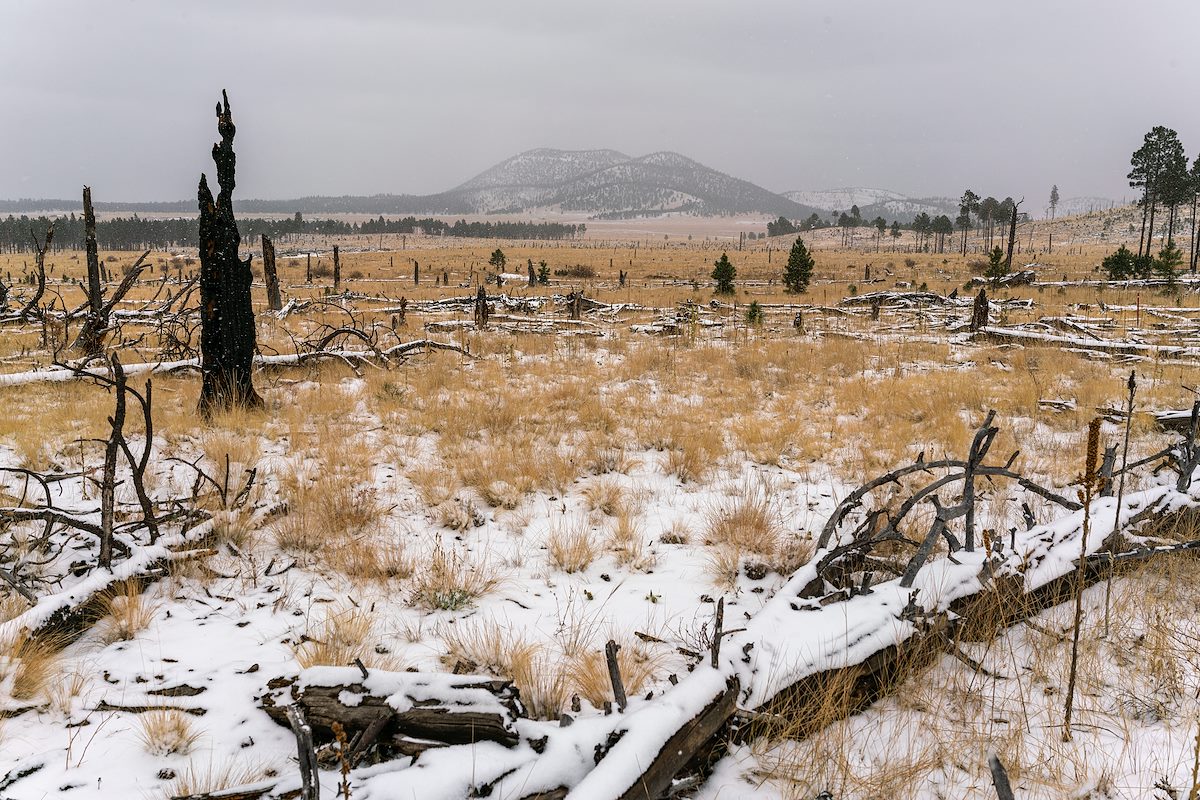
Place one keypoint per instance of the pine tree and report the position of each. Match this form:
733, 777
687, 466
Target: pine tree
1120, 265
996, 268
798, 272
724, 273
1053, 200
498, 260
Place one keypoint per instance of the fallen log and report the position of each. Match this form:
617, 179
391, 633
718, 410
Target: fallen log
1033, 338
453, 709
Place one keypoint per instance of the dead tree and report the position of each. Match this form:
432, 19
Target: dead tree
227, 338
40, 262
416, 272
91, 336
90, 340
1012, 235
979, 311
532, 276
481, 308
337, 269
274, 301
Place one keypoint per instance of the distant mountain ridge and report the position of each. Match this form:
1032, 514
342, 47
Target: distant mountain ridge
896, 206
876, 203
596, 182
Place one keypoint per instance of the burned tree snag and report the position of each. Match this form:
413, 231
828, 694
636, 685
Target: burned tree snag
227, 338
91, 335
274, 302
337, 269
39, 261
979, 311
1012, 235
481, 308
416, 272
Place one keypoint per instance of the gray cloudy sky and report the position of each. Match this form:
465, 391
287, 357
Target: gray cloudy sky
366, 96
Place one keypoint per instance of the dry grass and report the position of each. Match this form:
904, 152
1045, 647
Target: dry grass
344, 635
451, 581
167, 732
572, 546
29, 666
126, 614
195, 780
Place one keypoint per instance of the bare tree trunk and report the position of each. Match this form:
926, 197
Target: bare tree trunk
337, 269
40, 262
1012, 236
227, 337
91, 335
274, 301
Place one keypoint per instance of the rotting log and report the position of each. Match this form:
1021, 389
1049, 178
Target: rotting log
453, 709
227, 336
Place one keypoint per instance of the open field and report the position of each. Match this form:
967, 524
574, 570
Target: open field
507, 507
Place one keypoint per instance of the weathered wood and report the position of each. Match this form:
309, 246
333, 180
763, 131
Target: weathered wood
614, 674
271, 275
227, 336
337, 269
482, 709
691, 738
310, 779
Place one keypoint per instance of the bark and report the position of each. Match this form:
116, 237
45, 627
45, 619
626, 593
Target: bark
1012, 237
337, 269
227, 336
40, 263
274, 301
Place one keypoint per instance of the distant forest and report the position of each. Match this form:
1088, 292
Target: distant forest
137, 233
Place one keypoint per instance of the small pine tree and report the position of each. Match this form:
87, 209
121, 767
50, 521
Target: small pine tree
996, 268
754, 314
1120, 265
498, 259
1168, 262
543, 273
724, 273
798, 272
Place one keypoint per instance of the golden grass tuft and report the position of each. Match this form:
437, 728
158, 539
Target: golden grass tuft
166, 732
343, 636
572, 546
196, 780
30, 663
126, 614
452, 581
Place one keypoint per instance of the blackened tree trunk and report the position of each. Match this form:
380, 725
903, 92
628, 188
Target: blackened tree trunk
91, 335
337, 269
227, 339
1012, 237
274, 301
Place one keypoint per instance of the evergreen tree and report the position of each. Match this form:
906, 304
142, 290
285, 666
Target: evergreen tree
968, 205
543, 273
1168, 261
724, 273
781, 227
1120, 265
996, 268
1053, 200
498, 260
798, 272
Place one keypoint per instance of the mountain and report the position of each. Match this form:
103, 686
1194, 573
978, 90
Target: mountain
596, 182
605, 182
876, 203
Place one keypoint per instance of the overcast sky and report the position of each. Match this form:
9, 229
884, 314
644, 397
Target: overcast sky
364, 96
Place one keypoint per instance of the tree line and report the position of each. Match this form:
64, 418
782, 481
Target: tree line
139, 233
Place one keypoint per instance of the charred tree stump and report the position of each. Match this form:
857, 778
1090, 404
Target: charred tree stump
1012, 235
337, 269
979, 312
227, 338
416, 272
308, 269
270, 275
532, 276
481, 308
